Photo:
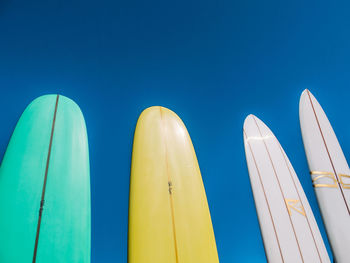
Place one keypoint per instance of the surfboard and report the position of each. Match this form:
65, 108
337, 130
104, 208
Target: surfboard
330, 174
289, 230
45, 186
169, 219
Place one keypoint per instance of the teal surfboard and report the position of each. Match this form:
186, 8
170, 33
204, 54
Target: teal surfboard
45, 186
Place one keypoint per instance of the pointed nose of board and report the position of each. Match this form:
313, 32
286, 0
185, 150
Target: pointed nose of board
308, 106
305, 99
250, 127
255, 129
249, 120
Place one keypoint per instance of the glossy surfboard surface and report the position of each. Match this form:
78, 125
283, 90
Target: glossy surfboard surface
169, 219
289, 230
330, 174
45, 186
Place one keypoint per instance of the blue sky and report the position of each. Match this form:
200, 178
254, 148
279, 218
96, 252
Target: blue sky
212, 62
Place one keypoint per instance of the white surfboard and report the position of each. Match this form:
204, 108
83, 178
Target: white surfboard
289, 229
330, 174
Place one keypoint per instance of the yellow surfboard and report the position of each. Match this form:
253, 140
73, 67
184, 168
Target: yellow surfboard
169, 218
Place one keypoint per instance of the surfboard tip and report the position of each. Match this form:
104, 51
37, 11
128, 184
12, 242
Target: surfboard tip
249, 120
305, 92
156, 110
305, 98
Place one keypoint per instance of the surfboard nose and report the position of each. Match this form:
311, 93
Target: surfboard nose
256, 129
156, 108
248, 121
306, 98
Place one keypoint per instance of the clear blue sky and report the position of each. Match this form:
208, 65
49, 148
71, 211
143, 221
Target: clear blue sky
211, 61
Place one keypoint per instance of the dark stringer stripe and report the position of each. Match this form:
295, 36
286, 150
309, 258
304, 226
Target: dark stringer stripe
44, 185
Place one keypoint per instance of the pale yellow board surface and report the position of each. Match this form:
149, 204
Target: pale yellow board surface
169, 218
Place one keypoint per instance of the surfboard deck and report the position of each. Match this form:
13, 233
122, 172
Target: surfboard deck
289, 230
45, 186
169, 219
329, 172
